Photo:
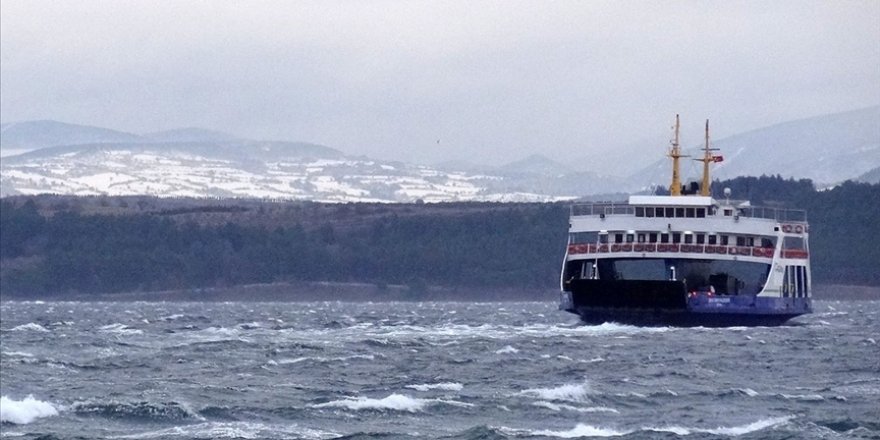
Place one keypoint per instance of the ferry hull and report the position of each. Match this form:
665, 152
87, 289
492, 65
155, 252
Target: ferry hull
666, 303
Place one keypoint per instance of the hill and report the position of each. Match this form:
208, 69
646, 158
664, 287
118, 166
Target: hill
32, 135
826, 149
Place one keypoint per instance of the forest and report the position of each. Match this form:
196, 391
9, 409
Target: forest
58, 245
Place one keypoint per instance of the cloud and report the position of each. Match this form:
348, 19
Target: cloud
492, 79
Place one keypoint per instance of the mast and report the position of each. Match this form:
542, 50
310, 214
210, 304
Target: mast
675, 154
707, 158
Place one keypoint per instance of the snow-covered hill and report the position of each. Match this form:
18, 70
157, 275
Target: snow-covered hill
280, 170
193, 162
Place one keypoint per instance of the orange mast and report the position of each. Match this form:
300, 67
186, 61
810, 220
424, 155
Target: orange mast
675, 154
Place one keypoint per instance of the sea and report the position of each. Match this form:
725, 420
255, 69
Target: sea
438, 370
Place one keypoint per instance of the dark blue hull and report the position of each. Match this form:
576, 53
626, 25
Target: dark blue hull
667, 303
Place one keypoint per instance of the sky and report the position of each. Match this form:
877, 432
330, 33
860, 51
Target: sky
431, 81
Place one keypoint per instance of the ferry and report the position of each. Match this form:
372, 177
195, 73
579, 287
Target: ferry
687, 258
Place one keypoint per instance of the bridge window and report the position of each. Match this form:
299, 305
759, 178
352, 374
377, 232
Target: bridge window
691, 212
679, 212
793, 243
701, 212
583, 237
670, 212
640, 211
649, 212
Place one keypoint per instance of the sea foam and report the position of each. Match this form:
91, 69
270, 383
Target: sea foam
394, 402
24, 411
582, 430
32, 326
567, 392
445, 386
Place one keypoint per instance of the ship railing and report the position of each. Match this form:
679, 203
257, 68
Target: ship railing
772, 213
762, 212
609, 208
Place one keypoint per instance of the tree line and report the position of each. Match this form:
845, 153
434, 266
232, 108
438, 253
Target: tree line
497, 245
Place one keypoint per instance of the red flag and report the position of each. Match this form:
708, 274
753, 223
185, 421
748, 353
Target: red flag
717, 158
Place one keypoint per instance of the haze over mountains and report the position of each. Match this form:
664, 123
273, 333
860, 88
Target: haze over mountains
55, 157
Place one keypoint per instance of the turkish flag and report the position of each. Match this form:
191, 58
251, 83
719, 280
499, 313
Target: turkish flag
717, 158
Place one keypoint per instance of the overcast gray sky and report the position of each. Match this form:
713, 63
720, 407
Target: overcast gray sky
493, 81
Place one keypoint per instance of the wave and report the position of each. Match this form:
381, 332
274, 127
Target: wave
507, 349
322, 359
445, 386
803, 397
138, 410
394, 402
32, 326
237, 430
567, 392
582, 430
22, 412
23, 354
120, 329
564, 407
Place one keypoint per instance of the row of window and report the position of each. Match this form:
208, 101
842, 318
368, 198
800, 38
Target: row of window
673, 237
658, 211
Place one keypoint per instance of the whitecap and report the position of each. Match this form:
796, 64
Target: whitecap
567, 392
732, 431
121, 329
18, 354
171, 317
507, 349
581, 430
445, 386
561, 406
747, 391
803, 397
321, 359
394, 402
32, 326
238, 430
21, 412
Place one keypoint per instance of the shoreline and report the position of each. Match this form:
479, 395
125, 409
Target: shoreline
371, 292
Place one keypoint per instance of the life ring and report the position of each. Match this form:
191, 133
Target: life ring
786, 228
799, 229
603, 248
638, 248
615, 248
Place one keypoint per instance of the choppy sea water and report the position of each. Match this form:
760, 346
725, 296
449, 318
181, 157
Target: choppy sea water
427, 370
